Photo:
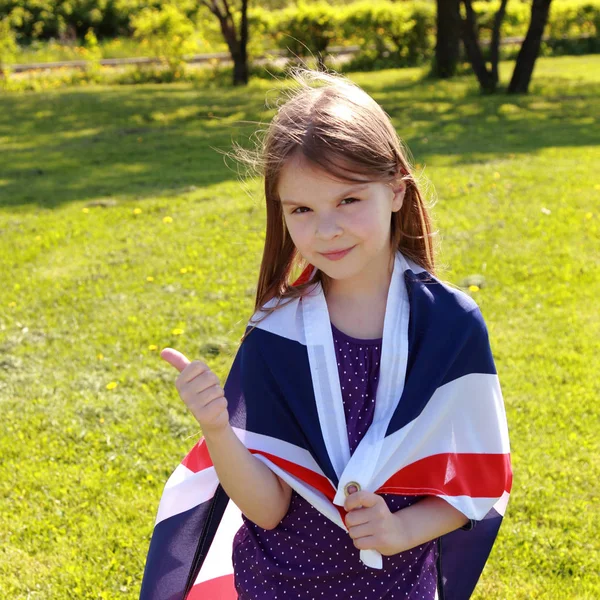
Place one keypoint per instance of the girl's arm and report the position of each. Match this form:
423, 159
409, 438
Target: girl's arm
426, 520
254, 488
258, 492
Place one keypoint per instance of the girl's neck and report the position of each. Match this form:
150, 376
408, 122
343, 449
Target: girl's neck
357, 305
370, 284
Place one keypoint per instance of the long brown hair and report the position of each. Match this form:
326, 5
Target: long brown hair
331, 122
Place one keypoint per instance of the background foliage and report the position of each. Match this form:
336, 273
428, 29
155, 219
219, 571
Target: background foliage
386, 24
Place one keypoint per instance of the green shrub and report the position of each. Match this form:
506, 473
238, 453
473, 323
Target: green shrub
308, 29
389, 34
404, 32
8, 46
168, 34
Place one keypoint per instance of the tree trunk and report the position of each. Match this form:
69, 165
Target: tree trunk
238, 46
519, 84
240, 69
447, 46
240, 63
495, 43
470, 38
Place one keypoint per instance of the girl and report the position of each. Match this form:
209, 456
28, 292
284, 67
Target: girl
359, 448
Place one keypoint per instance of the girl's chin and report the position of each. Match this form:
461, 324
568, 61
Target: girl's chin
339, 272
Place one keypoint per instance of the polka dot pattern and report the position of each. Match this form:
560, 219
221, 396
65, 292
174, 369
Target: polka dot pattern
307, 556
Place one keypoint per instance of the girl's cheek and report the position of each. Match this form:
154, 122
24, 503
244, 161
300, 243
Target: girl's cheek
299, 232
359, 221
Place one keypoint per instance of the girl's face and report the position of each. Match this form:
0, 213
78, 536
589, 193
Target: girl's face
325, 215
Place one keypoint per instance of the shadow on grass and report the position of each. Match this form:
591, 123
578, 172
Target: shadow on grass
130, 142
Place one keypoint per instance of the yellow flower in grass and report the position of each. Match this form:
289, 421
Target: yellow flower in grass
589, 215
12, 304
177, 331
85, 210
167, 219
150, 278
137, 211
152, 347
100, 356
112, 385
183, 271
473, 288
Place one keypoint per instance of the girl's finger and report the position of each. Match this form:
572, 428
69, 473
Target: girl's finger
360, 499
205, 397
195, 369
175, 358
360, 531
198, 382
357, 517
208, 413
366, 543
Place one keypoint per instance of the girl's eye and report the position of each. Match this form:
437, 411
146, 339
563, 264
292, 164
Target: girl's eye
302, 209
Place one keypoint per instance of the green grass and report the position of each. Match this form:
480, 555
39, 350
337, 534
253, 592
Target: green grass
82, 467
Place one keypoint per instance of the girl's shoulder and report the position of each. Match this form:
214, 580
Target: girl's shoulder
440, 300
444, 316
282, 317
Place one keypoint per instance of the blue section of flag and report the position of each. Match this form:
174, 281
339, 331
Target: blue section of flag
463, 556
172, 551
275, 372
447, 339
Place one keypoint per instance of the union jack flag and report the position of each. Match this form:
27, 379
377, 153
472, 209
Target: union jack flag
439, 429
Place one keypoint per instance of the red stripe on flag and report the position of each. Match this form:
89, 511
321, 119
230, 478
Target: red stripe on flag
451, 474
198, 458
319, 482
221, 588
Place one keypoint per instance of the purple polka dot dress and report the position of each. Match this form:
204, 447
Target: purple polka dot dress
307, 556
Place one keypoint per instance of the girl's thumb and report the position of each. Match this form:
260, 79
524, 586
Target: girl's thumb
175, 358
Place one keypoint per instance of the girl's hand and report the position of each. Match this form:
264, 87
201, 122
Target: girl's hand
371, 524
199, 388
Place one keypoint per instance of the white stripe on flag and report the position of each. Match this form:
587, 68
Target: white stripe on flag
500, 506
185, 490
218, 561
279, 448
474, 508
442, 428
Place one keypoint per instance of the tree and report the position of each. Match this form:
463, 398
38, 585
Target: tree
447, 48
237, 42
530, 48
488, 79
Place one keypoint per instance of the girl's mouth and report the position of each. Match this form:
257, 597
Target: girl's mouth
336, 255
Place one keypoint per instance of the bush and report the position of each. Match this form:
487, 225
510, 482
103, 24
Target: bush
308, 29
167, 32
8, 46
400, 34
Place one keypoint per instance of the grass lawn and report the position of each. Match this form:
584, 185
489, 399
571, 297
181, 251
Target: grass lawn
122, 231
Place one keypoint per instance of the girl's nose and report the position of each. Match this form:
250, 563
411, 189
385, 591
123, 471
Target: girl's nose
328, 228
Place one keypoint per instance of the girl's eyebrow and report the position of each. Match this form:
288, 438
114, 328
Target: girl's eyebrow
352, 190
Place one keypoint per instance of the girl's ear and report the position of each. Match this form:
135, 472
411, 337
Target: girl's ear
399, 189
